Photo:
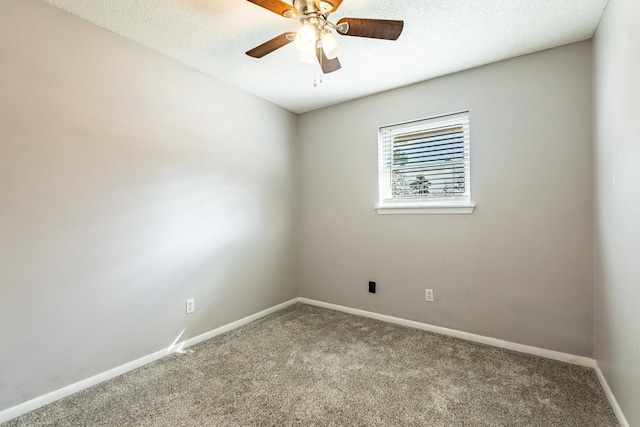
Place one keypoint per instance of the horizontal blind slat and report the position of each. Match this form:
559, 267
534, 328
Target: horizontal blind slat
430, 158
399, 154
411, 142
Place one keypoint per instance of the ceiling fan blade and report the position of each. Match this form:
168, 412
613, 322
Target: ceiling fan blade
373, 28
328, 6
277, 6
327, 65
271, 45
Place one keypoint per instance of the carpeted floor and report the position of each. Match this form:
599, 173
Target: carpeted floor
309, 366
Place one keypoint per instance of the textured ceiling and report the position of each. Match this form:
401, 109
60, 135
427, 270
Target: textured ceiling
440, 37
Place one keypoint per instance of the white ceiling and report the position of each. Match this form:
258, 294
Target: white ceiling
440, 37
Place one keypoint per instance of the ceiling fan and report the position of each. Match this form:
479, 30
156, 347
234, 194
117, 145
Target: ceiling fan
315, 39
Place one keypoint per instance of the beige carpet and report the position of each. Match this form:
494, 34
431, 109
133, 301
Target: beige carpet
308, 366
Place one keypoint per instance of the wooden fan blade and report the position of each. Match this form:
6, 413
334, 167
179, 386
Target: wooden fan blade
328, 6
336, 4
373, 28
276, 6
271, 45
327, 65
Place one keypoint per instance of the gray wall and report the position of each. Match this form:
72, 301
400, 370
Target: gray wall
520, 267
617, 201
128, 183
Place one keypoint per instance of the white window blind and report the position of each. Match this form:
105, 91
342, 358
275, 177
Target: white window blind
425, 162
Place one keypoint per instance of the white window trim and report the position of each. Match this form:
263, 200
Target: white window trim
453, 209
457, 205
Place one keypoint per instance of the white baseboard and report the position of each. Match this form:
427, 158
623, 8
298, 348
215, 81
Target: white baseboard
612, 399
238, 323
51, 397
522, 348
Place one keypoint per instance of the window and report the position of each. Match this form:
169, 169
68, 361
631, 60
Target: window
424, 166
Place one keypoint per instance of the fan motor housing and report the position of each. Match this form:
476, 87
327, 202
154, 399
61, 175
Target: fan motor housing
306, 7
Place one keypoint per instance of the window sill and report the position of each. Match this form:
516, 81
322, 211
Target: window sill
443, 209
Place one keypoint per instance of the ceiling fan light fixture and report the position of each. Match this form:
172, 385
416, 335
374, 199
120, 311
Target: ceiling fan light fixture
316, 35
306, 38
308, 57
331, 45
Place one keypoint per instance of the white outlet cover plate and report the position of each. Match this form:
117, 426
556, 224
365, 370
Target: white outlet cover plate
429, 294
191, 305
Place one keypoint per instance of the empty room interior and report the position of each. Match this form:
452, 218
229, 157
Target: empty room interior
319, 213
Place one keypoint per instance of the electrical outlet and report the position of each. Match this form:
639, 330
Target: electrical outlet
372, 287
428, 294
191, 305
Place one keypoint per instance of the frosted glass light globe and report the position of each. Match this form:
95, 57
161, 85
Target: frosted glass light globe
306, 38
331, 45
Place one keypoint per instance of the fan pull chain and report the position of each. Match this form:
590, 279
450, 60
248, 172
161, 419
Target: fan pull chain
315, 79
